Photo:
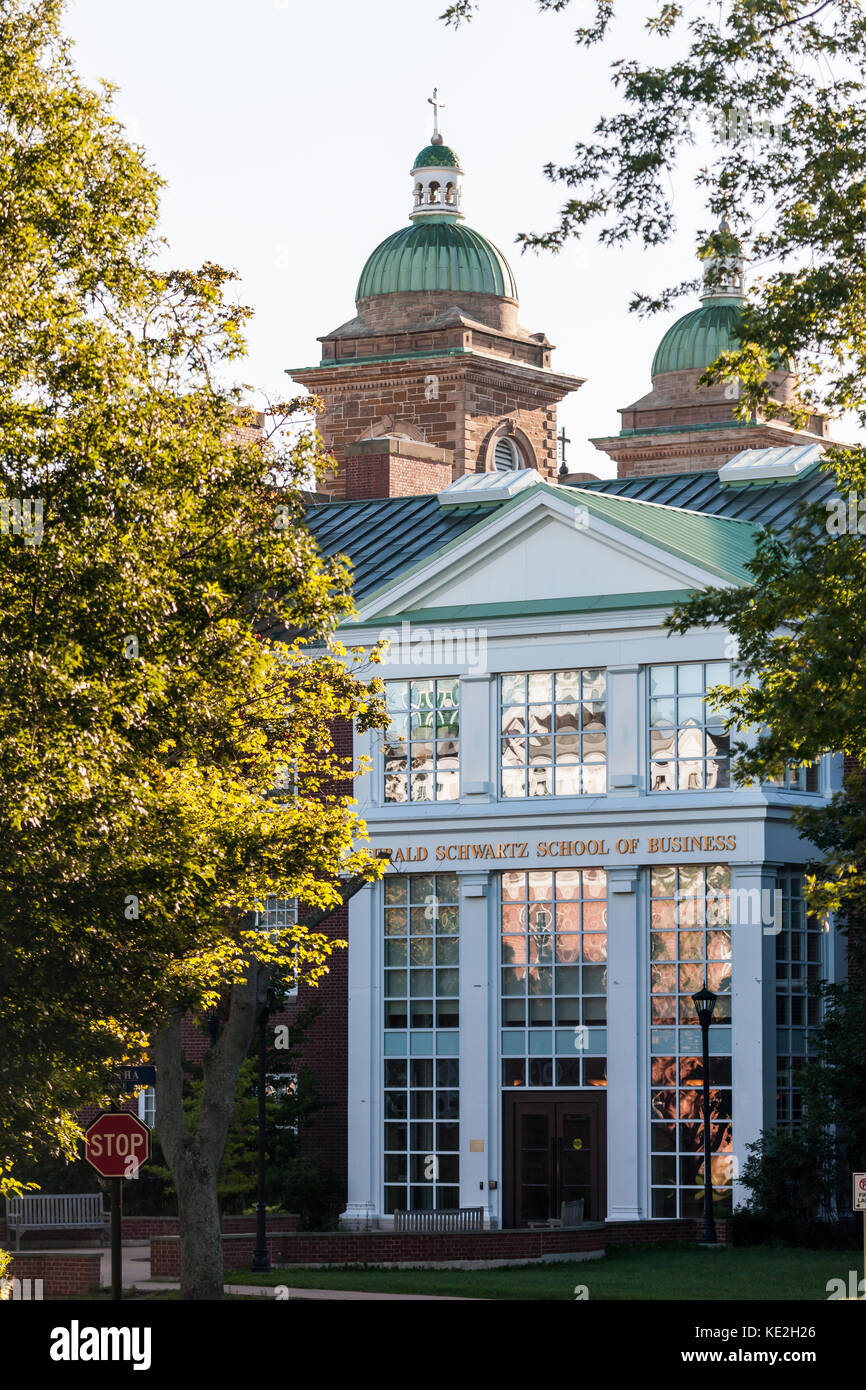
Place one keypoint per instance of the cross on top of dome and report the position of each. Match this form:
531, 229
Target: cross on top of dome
437, 107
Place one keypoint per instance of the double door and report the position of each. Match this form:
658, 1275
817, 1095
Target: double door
554, 1153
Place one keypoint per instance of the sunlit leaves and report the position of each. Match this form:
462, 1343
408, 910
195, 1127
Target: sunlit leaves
167, 647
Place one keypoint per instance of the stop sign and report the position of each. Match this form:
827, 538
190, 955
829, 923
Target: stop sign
117, 1145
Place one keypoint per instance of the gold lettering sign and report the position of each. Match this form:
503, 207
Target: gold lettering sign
590, 848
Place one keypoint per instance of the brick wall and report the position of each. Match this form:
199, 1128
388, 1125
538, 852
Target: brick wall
391, 467
412, 308
63, 1276
475, 397
384, 1247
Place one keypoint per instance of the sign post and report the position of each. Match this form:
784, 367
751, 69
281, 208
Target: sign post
860, 1205
116, 1145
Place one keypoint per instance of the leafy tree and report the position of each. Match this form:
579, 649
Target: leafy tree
789, 1175
805, 1173
776, 89
166, 650
293, 1182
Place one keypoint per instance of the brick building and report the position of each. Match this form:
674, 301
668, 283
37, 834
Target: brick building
680, 426
435, 355
570, 859
512, 1024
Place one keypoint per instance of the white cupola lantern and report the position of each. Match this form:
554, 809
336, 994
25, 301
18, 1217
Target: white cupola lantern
724, 276
437, 178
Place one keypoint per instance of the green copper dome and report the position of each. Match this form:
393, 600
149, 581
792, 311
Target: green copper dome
437, 253
439, 156
698, 338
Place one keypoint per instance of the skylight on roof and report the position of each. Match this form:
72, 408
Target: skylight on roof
771, 465
488, 487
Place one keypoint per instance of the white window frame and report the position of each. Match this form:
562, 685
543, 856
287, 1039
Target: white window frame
290, 1078
265, 925
147, 1106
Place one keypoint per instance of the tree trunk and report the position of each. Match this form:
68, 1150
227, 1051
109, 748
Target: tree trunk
201, 1261
194, 1160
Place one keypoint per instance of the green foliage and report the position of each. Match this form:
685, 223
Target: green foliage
294, 1181
787, 1175
806, 1174
774, 90
166, 631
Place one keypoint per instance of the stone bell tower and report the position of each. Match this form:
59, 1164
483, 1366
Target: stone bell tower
434, 376
681, 427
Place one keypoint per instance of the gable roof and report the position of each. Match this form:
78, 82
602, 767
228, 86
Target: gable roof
720, 544
692, 516
387, 535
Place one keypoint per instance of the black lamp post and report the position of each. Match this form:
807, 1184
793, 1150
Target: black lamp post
261, 1260
705, 1002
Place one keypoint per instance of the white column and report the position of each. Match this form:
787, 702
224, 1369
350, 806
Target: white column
365, 1062
623, 726
477, 775
626, 1048
478, 1115
753, 1007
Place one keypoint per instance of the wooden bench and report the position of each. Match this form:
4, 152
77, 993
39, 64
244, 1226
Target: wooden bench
570, 1216
71, 1211
449, 1219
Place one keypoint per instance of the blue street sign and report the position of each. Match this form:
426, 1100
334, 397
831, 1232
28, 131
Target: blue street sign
131, 1078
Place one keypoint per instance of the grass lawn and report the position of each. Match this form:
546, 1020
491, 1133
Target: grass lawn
631, 1272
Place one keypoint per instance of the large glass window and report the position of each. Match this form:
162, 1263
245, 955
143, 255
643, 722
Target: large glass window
422, 1095
422, 744
689, 749
690, 944
278, 915
422, 945
422, 1133
799, 956
554, 978
799, 779
553, 736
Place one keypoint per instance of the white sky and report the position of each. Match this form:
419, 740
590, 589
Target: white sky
286, 131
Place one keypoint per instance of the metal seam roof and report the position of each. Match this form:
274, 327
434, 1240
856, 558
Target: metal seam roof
386, 537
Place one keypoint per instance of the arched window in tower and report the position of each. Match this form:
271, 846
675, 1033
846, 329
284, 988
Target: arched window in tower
434, 192
449, 193
506, 455
419, 194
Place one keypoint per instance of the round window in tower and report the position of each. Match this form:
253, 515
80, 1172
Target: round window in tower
506, 455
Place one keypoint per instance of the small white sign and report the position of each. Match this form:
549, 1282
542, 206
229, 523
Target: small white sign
860, 1191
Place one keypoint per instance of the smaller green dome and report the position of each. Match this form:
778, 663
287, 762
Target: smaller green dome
437, 156
698, 338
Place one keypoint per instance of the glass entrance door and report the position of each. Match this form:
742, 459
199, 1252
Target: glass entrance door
554, 1153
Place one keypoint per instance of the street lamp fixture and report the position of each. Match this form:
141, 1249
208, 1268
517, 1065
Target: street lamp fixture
705, 1002
261, 1260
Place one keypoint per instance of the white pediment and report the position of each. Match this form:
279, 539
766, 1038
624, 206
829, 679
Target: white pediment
540, 547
